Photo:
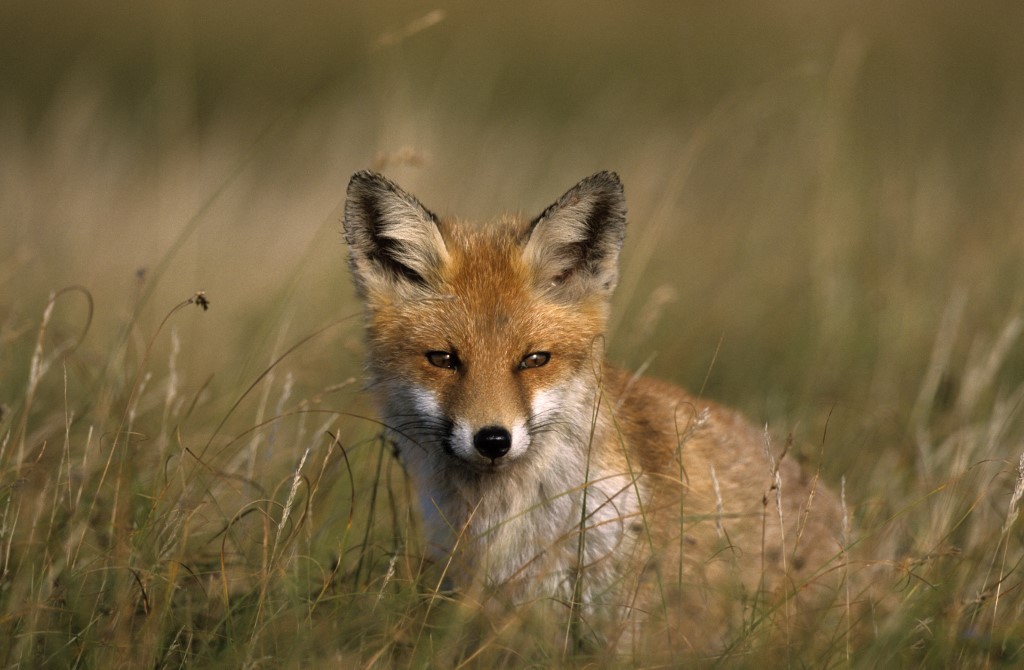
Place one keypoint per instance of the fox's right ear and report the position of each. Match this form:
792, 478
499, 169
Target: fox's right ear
393, 240
574, 244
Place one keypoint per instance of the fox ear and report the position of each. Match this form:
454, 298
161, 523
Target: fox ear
574, 244
393, 240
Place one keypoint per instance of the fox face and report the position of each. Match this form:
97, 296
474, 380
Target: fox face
482, 339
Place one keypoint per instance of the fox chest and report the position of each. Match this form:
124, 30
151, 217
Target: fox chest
539, 540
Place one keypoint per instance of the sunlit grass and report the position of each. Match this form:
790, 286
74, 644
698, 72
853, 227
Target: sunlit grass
832, 243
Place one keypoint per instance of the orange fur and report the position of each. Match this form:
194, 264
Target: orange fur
547, 472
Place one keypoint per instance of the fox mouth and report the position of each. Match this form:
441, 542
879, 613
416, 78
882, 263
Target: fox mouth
475, 462
493, 467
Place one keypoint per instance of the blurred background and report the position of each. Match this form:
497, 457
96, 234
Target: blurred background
811, 184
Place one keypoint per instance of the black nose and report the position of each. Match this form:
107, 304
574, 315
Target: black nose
492, 441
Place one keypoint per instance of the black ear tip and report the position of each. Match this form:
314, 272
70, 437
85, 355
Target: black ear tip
363, 176
604, 181
366, 180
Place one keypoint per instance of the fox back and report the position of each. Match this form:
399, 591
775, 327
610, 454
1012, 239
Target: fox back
542, 471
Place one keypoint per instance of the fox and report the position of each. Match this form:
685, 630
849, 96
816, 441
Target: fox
542, 471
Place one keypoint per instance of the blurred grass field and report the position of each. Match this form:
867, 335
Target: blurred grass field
826, 230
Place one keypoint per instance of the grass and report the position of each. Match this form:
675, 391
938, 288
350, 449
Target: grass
824, 231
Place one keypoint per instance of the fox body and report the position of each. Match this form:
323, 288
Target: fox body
541, 470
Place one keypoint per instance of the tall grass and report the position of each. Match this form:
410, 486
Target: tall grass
825, 235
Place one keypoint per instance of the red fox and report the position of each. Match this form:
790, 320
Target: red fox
542, 471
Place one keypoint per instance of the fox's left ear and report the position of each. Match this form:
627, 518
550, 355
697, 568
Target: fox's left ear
394, 242
574, 244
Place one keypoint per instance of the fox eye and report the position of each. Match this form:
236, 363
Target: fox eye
443, 359
534, 360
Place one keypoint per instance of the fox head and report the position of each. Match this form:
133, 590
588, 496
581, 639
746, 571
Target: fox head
483, 341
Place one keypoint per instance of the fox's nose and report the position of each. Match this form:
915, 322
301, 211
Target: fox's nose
492, 441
